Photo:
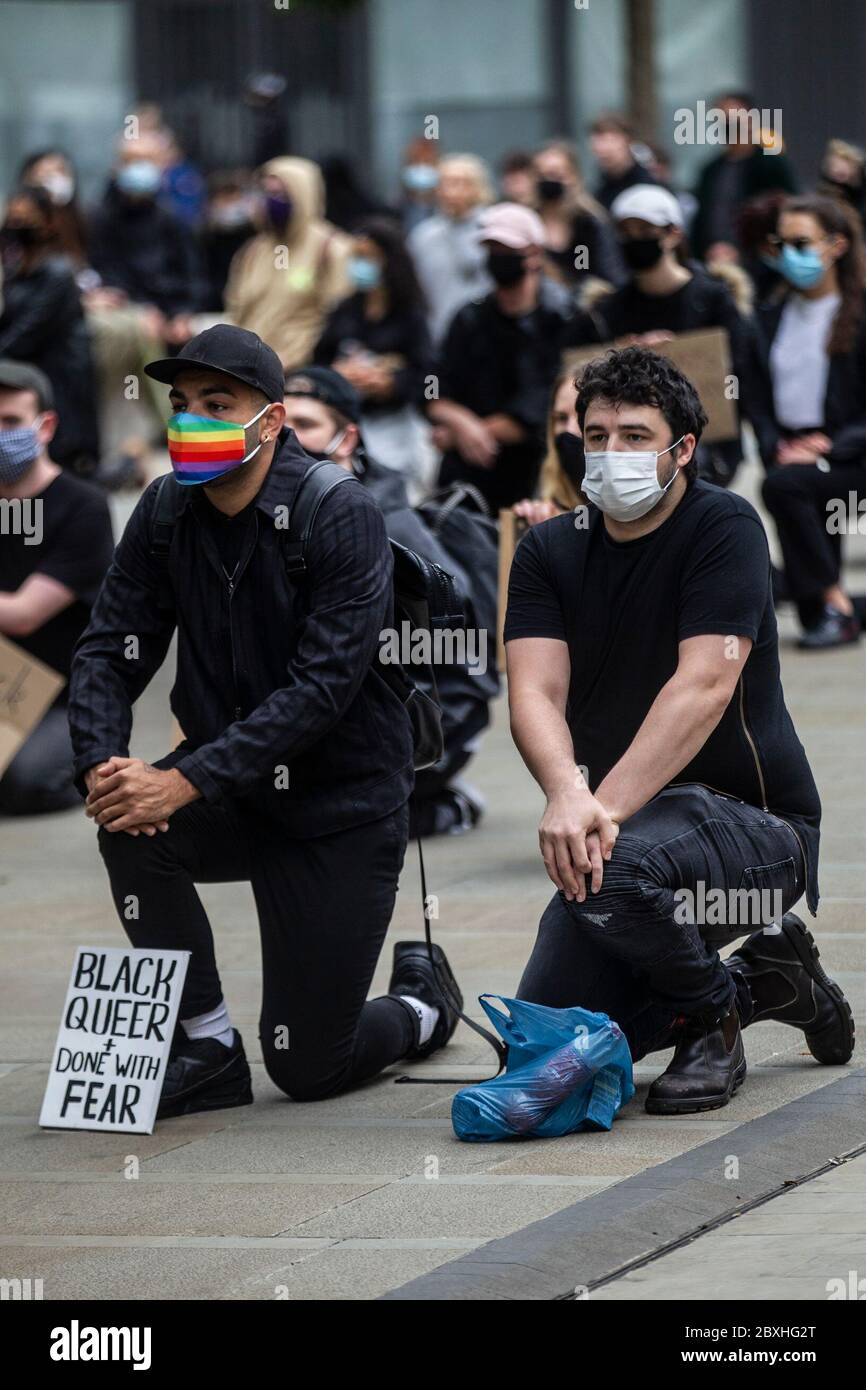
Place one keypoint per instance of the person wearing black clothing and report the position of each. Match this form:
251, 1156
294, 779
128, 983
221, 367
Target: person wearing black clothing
42, 322
612, 141
228, 225
643, 679
377, 339
746, 168
580, 241
142, 249
663, 296
296, 764
50, 571
324, 411
804, 389
497, 365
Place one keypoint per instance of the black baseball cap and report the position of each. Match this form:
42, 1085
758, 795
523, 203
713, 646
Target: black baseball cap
224, 348
20, 376
327, 386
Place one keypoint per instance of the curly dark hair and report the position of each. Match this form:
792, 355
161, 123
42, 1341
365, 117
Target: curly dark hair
639, 376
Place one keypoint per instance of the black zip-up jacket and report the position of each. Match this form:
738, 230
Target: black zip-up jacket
272, 673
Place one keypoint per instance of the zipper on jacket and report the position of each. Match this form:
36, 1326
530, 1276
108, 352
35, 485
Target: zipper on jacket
751, 743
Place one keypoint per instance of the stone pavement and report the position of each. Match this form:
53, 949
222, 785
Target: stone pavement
352, 1198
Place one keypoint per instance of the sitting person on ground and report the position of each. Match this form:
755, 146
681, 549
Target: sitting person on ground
324, 411
563, 465
50, 573
804, 389
666, 294
297, 762
645, 696
498, 362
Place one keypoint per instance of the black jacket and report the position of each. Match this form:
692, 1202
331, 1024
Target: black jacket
43, 323
403, 333
144, 250
270, 673
759, 173
844, 401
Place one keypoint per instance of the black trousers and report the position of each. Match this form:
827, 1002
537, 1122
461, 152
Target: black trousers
324, 906
628, 952
797, 497
39, 778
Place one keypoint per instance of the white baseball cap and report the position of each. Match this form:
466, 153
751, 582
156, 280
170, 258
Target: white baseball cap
651, 203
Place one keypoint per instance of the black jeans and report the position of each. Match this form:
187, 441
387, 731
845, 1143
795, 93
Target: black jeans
627, 950
323, 905
39, 778
797, 497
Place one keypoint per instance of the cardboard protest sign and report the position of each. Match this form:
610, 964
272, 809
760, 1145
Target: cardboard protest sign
511, 528
114, 1038
704, 356
27, 688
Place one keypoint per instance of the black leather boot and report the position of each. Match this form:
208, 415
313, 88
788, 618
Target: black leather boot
706, 1069
788, 985
205, 1075
414, 974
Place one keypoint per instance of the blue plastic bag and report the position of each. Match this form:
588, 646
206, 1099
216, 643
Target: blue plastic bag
568, 1069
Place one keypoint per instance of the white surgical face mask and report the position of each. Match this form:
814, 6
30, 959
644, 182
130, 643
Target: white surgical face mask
625, 484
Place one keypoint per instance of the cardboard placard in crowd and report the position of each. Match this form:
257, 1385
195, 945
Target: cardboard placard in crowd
114, 1039
704, 356
511, 528
27, 688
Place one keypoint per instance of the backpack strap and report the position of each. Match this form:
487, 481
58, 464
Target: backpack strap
319, 480
164, 517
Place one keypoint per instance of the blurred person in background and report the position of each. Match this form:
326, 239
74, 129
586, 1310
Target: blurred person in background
756, 231
612, 140
324, 411
749, 164
377, 339
42, 322
147, 286
285, 281
842, 175
665, 294
230, 220
46, 589
419, 180
580, 242
183, 191
499, 359
53, 170
517, 178
806, 384
143, 254
448, 255
563, 465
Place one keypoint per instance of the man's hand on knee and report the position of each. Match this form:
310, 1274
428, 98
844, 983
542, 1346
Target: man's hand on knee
576, 836
131, 795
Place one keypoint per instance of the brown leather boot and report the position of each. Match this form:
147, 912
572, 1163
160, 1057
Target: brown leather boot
707, 1067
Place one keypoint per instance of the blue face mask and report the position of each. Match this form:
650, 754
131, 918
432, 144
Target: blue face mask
364, 273
19, 448
140, 178
421, 178
802, 269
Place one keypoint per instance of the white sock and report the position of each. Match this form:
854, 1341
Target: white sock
215, 1024
428, 1016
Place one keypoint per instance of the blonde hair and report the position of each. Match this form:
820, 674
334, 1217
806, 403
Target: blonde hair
553, 484
476, 168
579, 199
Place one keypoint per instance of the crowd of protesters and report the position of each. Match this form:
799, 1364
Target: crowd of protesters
443, 317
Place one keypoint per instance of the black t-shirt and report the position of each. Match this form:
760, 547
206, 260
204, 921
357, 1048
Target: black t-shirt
75, 549
230, 532
624, 606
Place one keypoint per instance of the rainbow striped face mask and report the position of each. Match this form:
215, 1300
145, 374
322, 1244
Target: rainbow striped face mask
202, 449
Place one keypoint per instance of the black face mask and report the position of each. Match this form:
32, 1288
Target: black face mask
506, 267
569, 451
641, 253
23, 236
550, 190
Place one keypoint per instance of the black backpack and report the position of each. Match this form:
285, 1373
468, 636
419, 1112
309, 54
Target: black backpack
424, 595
